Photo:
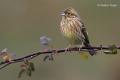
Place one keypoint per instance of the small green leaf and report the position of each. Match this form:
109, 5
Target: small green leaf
26, 62
51, 58
46, 57
21, 72
32, 66
29, 72
112, 50
84, 56
107, 52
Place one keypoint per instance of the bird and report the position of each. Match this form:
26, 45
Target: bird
72, 28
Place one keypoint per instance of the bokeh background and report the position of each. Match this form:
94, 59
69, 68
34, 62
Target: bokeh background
22, 22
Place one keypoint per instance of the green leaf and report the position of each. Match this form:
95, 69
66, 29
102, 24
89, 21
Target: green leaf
29, 72
84, 56
32, 66
51, 58
21, 72
46, 57
112, 50
107, 52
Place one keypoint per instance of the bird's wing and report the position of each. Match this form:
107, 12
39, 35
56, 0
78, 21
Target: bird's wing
85, 38
84, 33
81, 31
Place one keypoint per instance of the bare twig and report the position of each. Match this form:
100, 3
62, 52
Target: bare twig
57, 51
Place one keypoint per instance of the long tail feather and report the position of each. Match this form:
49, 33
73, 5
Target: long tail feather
91, 51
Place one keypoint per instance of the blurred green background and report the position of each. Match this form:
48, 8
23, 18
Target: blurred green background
22, 22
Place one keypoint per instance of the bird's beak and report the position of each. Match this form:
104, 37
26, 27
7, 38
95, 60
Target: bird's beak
62, 14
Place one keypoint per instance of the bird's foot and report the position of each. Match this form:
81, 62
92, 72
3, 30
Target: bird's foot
68, 48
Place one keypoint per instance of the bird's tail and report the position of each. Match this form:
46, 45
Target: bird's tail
91, 51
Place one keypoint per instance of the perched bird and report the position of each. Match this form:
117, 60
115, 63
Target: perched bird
74, 30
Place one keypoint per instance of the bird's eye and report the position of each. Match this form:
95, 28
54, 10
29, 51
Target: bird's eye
68, 13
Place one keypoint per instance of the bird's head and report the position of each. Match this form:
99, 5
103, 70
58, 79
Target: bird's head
69, 12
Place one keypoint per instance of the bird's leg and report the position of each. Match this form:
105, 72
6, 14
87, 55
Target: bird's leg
80, 46
68, 48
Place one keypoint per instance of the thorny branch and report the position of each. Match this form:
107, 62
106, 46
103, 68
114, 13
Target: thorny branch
4, 64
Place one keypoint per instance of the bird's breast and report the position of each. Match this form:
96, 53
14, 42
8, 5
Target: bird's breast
67, 30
